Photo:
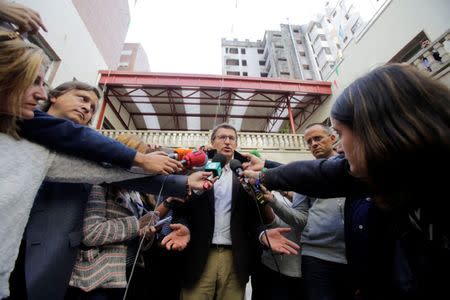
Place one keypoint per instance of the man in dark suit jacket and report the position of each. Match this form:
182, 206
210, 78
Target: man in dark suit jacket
223, 222
54, 230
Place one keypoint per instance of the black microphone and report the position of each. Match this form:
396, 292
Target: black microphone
236, 167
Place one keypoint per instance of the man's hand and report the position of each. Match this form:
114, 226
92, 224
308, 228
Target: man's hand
157, 163
178, 238
197, 179
255, 164
278, 242
23, 17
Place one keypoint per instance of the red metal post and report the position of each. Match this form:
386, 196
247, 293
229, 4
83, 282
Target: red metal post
291, 118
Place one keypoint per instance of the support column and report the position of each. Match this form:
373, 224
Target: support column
291, 118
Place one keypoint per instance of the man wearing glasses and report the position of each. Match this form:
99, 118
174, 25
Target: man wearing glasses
223, 225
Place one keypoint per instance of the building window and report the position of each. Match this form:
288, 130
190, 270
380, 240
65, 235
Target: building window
296, 30
347, 16
282, 59
262, 62
306, 67
234, 50
125, 52
264, 74
244, 74
345, 39
106, 124
327, 50
299, 42
302, 53
277, 35
334, 14
242, 50
279, 46
319, 25
226, 50
285, 73
356, 26
232, 62
260, 51
244, 62
123, 64
55, 61
233, 73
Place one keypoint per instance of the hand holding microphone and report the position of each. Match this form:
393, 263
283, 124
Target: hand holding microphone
215, 167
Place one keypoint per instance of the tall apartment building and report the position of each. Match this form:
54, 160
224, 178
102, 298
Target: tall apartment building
133, 58
306, 52
281, 54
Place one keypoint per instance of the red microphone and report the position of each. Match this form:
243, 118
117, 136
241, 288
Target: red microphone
194, 159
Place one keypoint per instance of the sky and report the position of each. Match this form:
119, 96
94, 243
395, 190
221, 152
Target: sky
184, 36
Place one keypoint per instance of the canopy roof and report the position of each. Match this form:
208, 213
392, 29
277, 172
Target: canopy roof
162, 101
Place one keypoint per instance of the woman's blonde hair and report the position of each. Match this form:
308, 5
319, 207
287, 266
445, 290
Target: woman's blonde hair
133, 141
20, 62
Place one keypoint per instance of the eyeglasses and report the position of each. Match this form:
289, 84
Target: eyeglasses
223, 138
316, 139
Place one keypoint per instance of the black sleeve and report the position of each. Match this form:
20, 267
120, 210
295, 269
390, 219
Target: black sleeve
269, 164
171, 185
324, 178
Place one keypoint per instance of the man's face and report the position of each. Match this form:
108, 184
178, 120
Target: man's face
319, 142
225, 142
76, 105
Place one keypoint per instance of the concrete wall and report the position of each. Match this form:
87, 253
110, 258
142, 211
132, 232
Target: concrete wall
107, 21
391, 31
69, 38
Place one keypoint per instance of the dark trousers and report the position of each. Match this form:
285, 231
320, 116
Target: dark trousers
325, 280
97, 294
271, 285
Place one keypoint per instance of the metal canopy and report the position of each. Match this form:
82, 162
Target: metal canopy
162, 101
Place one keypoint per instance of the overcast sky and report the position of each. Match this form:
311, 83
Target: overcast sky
184, 36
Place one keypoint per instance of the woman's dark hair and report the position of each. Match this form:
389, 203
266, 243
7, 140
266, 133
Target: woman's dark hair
400, 120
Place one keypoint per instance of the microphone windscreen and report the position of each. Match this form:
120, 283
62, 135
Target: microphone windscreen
182, 152
220, 158
235, 165
195, 159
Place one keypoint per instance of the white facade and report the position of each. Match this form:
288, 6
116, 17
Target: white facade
241, 58
68, 37
392, 29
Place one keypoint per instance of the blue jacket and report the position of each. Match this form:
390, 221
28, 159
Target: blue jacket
54, 228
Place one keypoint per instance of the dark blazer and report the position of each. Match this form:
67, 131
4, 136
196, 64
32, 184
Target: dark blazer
54, 228
199, 211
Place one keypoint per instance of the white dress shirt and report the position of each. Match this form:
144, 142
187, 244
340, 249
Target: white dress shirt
222, 207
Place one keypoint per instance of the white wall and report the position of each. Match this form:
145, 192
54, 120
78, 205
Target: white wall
389, 33
71, 41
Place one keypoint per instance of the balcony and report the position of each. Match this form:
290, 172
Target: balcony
280, 147
438, 70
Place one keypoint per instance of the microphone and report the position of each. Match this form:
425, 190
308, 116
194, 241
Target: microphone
194, 159
236, 167
215, 166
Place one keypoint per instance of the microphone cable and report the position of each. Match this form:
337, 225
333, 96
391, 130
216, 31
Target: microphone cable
142, 241
265, 230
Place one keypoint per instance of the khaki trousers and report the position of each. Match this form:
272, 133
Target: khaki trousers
218, 281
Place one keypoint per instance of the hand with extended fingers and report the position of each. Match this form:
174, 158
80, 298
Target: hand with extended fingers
278, 242
178, 238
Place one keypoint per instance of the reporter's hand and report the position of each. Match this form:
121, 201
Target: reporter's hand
251, 175
197, 179
178, 238
278, 242
148, 219
157, 163
27, 19
255, 164
268, 196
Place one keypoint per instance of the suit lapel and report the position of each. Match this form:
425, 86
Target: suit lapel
234, 193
